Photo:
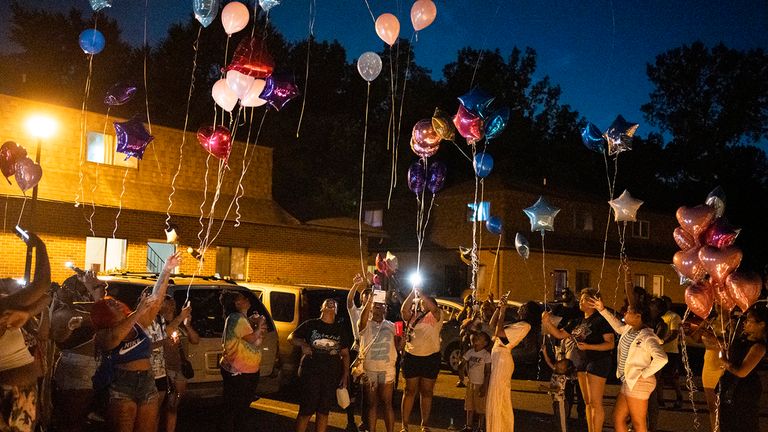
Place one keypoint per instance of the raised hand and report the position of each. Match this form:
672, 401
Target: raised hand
173, 261
595, 303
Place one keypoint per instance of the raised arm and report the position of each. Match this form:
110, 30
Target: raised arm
617, 325
160, 289
108, 338
358, 282
23, 298
429, 305
365, 315
406, 309
550, 328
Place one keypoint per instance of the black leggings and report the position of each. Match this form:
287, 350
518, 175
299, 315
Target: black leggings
239, 392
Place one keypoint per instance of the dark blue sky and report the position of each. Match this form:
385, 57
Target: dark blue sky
596, 50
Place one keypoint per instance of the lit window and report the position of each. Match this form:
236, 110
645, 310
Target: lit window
658, 285
478, 212
231, 262
582, 221
639, 280
105, 254
101, 149
374, 218
641, 229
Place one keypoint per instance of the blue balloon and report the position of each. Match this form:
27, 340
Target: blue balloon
417, 177
483, 164
98, 5
92, 41
542, 215
268, 4
205, 11
476, 101
592, 138
496, 123
436, 176
494, 225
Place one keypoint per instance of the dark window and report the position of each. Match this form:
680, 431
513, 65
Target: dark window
560, 281
282, 306
455, 281
582, 221
582, 279
641, 229
207, 313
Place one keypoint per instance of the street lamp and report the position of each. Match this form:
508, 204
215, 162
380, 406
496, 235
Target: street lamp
41, 127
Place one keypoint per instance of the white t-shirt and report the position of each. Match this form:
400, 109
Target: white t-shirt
354, 318
381, 356
673, 322
156, 333
425, 339
476, 361
13, 350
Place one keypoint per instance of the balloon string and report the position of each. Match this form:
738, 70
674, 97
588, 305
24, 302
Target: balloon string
94, 187
83, 125
476, 216
120, 207
145, 47
483, 45
390, 130
544, 267
461, 151
242, 188
219, 180
362, 180
306, 74
623, 269
689, 383
495, 261
23, 203
373, 18
5, 213
184, 132
205, 198
402, 100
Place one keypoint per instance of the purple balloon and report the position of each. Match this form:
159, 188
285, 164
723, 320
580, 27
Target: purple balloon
417, 177
132, 138
279, 89
119, 94
436, 177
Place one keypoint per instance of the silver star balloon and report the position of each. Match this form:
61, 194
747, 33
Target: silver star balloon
625, 207
542, 215
619, 135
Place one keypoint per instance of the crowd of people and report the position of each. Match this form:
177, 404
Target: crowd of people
124, 368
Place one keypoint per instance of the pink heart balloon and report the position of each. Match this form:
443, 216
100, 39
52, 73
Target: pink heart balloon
469, 125
695, 220
724, 298
688, 264
700, 299
719, 263
28, 173
744, 288
684, 239
216, 140
721, 234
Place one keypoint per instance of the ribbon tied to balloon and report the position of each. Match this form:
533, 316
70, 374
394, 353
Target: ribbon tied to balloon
423, 13
388, 28
205, 11
28, 173
369, 65
92, 41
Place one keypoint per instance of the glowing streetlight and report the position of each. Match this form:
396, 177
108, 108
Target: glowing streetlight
41, 126
415, 279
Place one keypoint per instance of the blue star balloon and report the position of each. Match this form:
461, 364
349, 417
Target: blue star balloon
496, 123
268, 4
205, 11
476, 101
494, 225
619, 135
98, 5
592, 138
542, 215
132, 138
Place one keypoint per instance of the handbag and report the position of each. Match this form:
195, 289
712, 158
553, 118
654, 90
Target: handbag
342, 397
186, 366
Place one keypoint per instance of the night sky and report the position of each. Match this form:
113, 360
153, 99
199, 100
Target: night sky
596, 50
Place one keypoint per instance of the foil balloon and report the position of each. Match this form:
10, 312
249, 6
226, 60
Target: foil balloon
542, 215
423, 13
723, 296
279, 90
216, 140
700, 298
494, 225
417, 177
205, 11
625, 207
496, 122
251, 98
234, 17
239, 83
98, 5
521, 245
688, 264
171, 233
436, 176
388, 28
369, 65
268, 4
619, 135
132, 138
716, 199
119, 94
223, 95
721, 234
592, 138
695, 220
469, 125
744, 288
10, 153
425, 141
719, 263
476, 101
92, 41
252, 58
684, 280
684, 239
392, 264
381, 266
483, 164
465, 255
28, 173
442, 124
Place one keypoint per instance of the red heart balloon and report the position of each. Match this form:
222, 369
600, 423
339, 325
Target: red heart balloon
721, 234
724, 297
10, 153
688, 264
469, 125
28, 173
216, 140
252, 58
684, 239
719, 263
700, 299
695, 220
744, 288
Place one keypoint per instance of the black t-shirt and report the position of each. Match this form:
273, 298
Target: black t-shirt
590, 331
326, 341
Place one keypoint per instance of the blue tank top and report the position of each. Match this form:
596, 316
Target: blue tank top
136, 348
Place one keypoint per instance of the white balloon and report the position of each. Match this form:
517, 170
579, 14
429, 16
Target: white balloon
239, 82
251, 98
223, 95
234, 17
369, 65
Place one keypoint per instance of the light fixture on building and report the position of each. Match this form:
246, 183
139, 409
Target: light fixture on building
41, 126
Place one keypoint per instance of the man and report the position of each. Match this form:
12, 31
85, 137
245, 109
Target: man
359, 285
324, 365
670, 372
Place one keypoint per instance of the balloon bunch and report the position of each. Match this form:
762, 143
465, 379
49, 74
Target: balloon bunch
14, 162
708, 260
421, 177
476, 119
423, 13
617, 138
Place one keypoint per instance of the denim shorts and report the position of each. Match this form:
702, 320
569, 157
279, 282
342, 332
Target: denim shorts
138, 386
74, 371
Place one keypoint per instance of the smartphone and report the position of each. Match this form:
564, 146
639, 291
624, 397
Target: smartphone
379, 296
22, 234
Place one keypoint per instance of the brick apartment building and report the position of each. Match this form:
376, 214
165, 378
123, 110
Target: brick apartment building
269, 245
573, 252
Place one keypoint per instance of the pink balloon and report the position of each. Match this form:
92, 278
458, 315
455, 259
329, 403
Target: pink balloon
700, 299
423, 13
216, 140
223, 95
719, 263
424, 139
388, 28
469, 125
251, 98
744, 288
695, 220
239, 83
684, 239
723, 297
234, 17
688, 264
721, 234
28, 173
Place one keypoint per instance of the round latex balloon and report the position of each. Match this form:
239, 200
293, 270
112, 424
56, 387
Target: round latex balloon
369, 65
10, 153
239, 83
483, 164
28, 173
695, 220
700, 298
251, 98
252, 58
521, 245
469, 125
442, 124
417, 177
436, 176
268, 4
388, 28
744, 288
205, 11
494, 225
216, 140
92, 41
132, 138
223, 95
98, 5
119, 94
234, 17
423, 13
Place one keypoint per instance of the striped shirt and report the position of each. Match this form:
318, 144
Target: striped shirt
624, 343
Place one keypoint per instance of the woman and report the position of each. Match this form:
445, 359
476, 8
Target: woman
594, 336
379, 352
639, 356
708, 332
421, 361
740, 387
499, 415
125, 372
176, 327
241, 359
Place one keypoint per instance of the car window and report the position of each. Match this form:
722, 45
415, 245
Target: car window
207, 313
126, 292
449, 312
282, 306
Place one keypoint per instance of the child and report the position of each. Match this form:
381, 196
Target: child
561, 388
478, 364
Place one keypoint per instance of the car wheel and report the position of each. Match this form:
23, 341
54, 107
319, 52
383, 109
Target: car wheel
453, 357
